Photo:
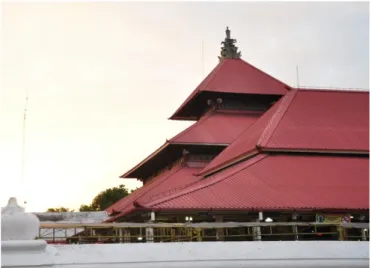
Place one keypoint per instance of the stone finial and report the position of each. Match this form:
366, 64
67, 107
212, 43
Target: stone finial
16, 224
228, 33
229, 50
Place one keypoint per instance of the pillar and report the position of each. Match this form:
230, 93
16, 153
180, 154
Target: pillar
149, 230
219, 231
257, 229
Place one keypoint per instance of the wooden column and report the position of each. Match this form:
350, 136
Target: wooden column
120, 235
149, 231
219, 231
127, 236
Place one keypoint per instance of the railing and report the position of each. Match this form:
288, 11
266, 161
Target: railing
197, 232
20, 249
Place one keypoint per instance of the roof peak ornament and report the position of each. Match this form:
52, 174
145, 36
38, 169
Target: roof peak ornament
229, 50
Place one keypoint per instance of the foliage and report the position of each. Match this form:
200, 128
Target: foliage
60, 209
106, 198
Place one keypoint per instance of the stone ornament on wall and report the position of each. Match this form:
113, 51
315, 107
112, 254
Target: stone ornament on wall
16, 224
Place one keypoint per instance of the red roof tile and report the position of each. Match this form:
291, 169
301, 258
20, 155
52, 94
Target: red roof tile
305, 120
321, 120
237, 76
167, 182
245, 144
220, 127
280, 182
207, 131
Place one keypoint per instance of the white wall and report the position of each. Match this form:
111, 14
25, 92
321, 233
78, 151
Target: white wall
202, 254
19, 249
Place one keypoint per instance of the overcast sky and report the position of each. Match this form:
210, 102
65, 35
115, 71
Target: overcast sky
103, 78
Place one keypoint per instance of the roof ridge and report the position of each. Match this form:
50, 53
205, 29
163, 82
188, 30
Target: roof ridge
162, 147
161, 194
256, 68
146, 188
205, 171
197, 90
276, 119
211, 75
336, 89
209, 181
231, 161
162, 180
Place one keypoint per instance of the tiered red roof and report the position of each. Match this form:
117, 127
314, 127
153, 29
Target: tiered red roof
172, 180
305, 120
279, 182
309, 151
218, 127
236, 76
320, 120
286, 180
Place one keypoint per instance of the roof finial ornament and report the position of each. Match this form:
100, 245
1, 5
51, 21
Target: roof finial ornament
229, 50
228, 33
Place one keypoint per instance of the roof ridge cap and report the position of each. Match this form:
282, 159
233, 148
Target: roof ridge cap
150, 187
162, 180
197, 90
334, 89
211, 75
276, 119
211, 181
232, 160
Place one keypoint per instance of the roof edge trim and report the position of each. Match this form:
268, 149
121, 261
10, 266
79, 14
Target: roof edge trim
199, 144
276, 119
197, 91
166, 144
185, 191
228, 164
286, 150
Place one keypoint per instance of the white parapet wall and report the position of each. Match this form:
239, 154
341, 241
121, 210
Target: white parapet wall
198, 254
215, 254
20, 250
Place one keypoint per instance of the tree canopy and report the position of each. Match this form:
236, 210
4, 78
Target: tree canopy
106, 198
60, 209
102, 201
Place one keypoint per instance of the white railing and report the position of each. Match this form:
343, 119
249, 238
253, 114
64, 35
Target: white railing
19, 249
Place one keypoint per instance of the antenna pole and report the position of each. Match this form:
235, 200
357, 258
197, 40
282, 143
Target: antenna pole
297, 76
24, 144
202, 58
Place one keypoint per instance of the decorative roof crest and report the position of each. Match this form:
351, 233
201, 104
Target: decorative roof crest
229, 50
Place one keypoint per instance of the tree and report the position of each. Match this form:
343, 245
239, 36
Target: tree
133, 190
106, 198
60, 209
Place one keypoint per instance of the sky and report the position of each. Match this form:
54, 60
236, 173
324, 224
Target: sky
102, 79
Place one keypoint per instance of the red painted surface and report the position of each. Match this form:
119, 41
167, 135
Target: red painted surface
165, 184
238, 76
321, 120
275, 182
220, 127
245, 143
305, 120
